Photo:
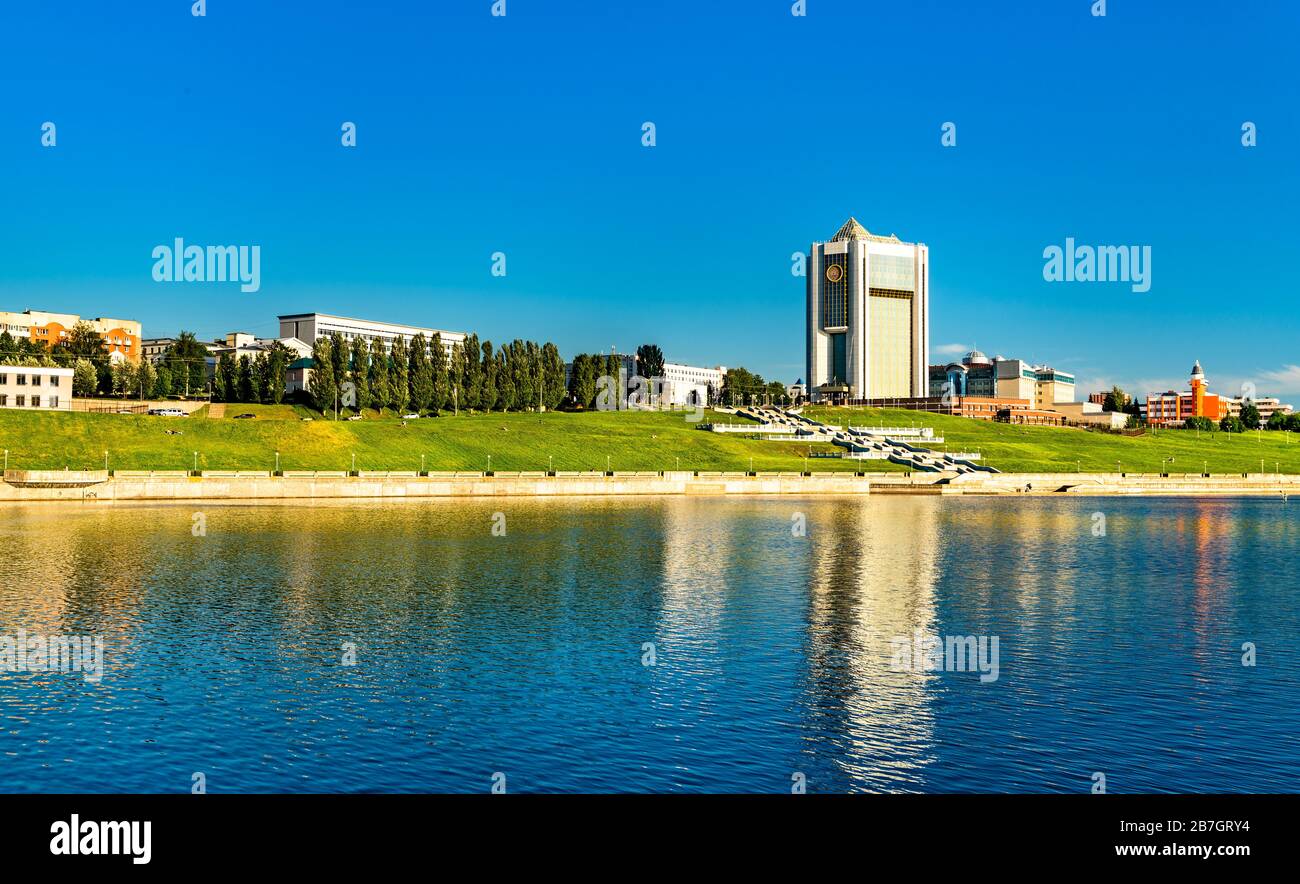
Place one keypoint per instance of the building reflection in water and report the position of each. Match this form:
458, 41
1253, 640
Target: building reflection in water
872, 577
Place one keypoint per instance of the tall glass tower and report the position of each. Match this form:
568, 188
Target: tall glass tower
868, 317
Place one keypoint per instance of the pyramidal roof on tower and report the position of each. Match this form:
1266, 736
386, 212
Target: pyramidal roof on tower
853, 230
1196, 370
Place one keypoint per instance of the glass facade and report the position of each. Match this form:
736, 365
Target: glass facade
835, 291
889, 347
839, 358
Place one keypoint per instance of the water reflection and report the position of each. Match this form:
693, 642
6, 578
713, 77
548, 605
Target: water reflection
524, 650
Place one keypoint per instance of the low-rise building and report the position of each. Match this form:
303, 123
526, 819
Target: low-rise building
1001, 378
36, 387
1091, 414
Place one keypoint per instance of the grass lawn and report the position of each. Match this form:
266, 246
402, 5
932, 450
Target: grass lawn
1065, 449
630, 441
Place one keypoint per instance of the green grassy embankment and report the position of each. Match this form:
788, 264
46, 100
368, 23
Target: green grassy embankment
630, 441
623, 440
1012, 448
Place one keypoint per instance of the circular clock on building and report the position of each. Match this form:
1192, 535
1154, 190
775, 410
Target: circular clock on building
834, 273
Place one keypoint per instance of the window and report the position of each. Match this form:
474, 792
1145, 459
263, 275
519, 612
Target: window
36, 380
54, 380
36, 402
22, 380
54, 402
4, 400
4, 378
20, 401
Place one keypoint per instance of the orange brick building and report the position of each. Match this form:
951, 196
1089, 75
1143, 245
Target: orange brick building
1172, 407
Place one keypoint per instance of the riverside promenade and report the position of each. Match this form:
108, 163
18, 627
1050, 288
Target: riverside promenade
93, 486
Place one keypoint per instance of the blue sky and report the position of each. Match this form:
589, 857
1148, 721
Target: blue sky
522, 134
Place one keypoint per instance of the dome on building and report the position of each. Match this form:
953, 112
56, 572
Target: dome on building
975, 357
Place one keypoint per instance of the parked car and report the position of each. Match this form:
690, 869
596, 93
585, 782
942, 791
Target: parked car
167, 412
411, 417
355, 417
245, 416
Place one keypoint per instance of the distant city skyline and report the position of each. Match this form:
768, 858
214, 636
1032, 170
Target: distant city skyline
523, 136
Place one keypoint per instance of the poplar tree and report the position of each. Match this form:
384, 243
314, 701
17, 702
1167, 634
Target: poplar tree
505, 380
438, 366
473, 375
421, 380
323, 386
361, 371
399, 373
377, 380
488, 388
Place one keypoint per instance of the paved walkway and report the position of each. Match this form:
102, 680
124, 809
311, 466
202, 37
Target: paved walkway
217, 409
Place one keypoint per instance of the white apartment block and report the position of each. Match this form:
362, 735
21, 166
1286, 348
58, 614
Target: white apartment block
308, 327
32, 387
689, 384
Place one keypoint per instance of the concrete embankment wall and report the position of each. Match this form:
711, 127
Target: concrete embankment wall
141, 486
32, 486
1106, 484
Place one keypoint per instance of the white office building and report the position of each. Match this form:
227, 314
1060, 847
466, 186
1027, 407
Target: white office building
868, 317
689, 384
307, 327
35, 387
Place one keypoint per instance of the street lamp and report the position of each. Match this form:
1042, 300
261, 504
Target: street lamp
277, 461
196, 462
106, 461
489, 463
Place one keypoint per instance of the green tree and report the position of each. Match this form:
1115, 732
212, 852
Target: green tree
488, 396
123, 378
650, 363
162, 386
85, 381
146, 378
742, 387
1115, 400
276, 364
552, 365
186, 358
617, 383
8, 347
505, 381
360, 371
1250, 416
472, 375
378, 378
439, 372
246, 387
323, 385
1232, 424
399, 373
421, 374
84, 341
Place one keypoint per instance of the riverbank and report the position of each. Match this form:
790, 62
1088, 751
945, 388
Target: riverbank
91, 486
